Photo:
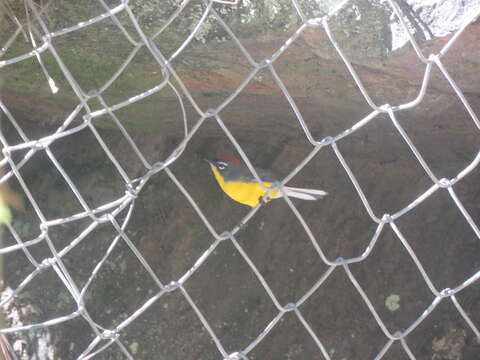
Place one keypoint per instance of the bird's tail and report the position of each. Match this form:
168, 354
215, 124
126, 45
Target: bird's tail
305, 194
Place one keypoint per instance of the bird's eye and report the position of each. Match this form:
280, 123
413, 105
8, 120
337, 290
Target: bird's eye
221, 165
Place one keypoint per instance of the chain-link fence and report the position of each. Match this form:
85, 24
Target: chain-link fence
30, 23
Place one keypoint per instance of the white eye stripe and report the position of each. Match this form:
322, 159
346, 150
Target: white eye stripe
221, 165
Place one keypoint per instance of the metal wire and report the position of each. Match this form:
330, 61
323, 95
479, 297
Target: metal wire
109, 212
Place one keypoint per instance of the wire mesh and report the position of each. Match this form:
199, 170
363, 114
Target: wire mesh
35, 29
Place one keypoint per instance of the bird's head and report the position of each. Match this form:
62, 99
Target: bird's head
225, 164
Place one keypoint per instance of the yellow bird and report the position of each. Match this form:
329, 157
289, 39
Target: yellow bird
236, 180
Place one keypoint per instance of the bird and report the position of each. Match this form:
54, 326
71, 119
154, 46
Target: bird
236, 180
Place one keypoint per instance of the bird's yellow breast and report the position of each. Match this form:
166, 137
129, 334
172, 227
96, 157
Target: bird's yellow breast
247, 193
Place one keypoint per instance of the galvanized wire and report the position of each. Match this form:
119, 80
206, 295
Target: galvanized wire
36, 28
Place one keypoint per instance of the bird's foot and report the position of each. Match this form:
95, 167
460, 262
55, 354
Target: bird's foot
264, 199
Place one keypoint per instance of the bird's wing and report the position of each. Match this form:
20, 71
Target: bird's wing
264, 175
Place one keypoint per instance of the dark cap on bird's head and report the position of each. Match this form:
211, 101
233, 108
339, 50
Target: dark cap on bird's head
227, 158
230, 159
222, 162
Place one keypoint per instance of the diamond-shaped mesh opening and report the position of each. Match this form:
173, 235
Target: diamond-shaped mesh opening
85, 175
139, 149
84, 237
357, 47
298, 344
139, 73
94, 43
193, 19
19, 265
393, 284
215, 297
259, 19
317, 55
393, 158
43, 195
52, 108
461, 70
437, 219
193, 340
186, 244
126, 236
127, 276
212, 80
360, 335
122, 148
57, 335
267, 102
333, 236
445, 333
60, 303
452, 144
270, 247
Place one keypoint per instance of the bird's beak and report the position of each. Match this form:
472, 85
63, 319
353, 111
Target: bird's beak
208, 161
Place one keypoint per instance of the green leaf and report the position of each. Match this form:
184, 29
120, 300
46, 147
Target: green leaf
5, 213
